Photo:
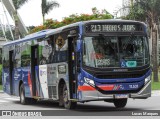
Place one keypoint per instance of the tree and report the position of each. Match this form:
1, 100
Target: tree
17, 4
47, 7
8, 34
149, 12
0, 74
52, 24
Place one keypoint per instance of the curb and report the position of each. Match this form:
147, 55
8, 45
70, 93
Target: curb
1, 91
156, 93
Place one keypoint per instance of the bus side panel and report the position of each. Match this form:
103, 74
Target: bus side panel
5, 72
17, 76
26, 77
38, 86
43, 91
6, 83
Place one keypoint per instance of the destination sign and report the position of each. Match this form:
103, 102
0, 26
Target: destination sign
112, 28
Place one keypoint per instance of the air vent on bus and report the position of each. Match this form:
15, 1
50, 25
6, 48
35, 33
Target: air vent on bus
117, 76
52, 91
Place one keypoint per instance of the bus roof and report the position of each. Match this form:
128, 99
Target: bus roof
113, 21
40, 34
33, 36
48, 32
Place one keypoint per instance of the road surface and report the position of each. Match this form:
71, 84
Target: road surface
90, 108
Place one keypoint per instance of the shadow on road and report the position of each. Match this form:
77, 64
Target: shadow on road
80, 107
100, 108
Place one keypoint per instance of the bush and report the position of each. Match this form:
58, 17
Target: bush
0, 74
52, 24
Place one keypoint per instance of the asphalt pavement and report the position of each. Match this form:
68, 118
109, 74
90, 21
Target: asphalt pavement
93, 108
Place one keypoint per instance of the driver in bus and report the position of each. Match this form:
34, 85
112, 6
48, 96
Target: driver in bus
98, 50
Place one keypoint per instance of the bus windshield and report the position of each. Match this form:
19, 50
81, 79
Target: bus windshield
115, 51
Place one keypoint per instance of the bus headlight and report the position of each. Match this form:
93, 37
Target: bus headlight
147, 79
89, 81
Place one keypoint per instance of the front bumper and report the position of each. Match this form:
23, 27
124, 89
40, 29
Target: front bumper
144, 93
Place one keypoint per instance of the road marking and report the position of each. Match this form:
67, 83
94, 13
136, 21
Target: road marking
12, 98
3, 101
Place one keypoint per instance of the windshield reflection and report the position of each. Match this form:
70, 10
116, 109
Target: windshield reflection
124, 51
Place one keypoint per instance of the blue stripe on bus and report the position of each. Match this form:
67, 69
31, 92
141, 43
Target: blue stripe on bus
80, 28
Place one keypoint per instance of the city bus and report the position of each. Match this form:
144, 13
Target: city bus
97, 60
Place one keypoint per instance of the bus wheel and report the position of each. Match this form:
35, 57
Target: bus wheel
23, 99
120, 103
68, 104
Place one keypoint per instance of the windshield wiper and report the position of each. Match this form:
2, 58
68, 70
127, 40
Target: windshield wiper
129, 40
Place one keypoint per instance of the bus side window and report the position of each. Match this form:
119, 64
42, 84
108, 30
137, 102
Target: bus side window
52, 57
42, 59
47, 51
5, 58
26, 57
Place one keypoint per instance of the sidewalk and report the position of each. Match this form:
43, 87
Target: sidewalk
156, 93
1, 91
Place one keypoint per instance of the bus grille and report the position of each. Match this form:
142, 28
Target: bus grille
117, 76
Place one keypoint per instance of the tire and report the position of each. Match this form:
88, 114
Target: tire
68, 104
61, 102
120, 103
23, 99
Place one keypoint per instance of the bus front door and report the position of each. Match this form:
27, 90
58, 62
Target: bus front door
72, 66
11, 71
34, 64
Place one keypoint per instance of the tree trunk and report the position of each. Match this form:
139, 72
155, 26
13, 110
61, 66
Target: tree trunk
154, 51
43, 19
16, 34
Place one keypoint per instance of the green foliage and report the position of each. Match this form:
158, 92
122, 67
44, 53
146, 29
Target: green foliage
145, 10
0, 74
8, 34
30, 28
0, 87
148, 11
19, 3
155, 85
47, 6
52, 24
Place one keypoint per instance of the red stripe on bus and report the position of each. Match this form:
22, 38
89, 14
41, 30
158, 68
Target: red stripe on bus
30, 82
106, 87
89, 88
85, 88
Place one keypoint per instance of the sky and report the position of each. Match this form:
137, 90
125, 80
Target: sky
31, 11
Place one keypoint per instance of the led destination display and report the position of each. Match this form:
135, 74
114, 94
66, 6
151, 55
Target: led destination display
113, 27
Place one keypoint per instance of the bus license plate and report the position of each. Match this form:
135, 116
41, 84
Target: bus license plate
119, 96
